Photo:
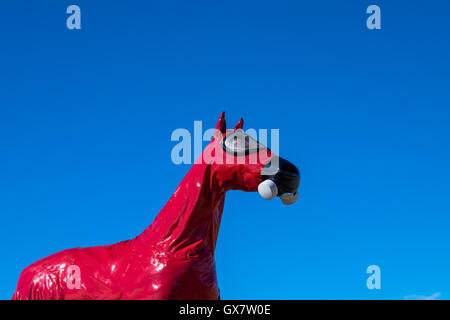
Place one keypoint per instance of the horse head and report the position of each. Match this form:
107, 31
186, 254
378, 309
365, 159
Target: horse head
239, 162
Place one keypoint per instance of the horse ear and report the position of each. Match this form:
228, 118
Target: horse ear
239, 125
221, 126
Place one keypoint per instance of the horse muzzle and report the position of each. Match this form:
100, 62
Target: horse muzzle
280, 178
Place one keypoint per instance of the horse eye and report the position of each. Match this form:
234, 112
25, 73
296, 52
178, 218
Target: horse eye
239, 143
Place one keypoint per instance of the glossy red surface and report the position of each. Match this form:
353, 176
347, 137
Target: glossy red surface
172, 259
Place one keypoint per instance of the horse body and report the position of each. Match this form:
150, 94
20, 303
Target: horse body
172, 259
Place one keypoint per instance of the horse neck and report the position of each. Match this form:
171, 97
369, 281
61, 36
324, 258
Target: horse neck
191, 218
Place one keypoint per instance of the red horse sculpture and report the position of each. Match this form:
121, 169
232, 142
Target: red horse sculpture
174, 257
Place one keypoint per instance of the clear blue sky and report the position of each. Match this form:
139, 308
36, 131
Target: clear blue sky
86, 118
